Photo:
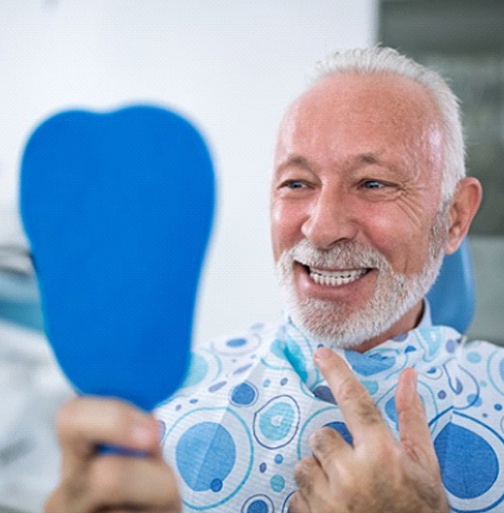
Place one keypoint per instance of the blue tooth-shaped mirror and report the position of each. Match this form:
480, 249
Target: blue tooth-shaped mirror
118, 210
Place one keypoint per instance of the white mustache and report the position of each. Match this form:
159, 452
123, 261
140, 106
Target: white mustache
344, 255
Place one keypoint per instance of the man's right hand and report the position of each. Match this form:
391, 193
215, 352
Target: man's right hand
94, 481
376, 472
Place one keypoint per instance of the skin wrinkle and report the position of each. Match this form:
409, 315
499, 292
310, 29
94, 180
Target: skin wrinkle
363, 190
303, 474
367, 411
356, 478
327, 445
425, 143
324, 152
386, 61
320, 307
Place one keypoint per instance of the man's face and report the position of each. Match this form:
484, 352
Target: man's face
356, 229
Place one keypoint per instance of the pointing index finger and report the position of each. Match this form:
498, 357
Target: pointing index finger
360, 413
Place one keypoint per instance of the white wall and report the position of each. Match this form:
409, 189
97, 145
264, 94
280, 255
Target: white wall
231, 66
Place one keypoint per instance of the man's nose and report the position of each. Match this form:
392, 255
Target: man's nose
330, 220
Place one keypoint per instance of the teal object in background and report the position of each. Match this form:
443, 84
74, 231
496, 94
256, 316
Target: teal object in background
19, 301
118, 209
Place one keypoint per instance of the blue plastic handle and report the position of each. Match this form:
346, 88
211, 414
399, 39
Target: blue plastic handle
118, 209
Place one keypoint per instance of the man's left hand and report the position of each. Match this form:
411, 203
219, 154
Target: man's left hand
377, 473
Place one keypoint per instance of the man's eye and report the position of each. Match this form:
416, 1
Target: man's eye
373, 184
294, 184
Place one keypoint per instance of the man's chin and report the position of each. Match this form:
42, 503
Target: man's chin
322, 325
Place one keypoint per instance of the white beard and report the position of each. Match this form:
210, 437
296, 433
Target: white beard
335, 324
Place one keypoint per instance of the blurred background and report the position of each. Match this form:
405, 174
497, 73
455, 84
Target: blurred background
232, 68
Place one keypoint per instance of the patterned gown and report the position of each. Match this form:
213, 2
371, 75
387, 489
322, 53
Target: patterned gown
235, 431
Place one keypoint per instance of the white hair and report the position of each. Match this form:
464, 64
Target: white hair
382, 59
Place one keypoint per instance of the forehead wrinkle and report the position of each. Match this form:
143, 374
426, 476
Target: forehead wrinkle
299, 161
349, 162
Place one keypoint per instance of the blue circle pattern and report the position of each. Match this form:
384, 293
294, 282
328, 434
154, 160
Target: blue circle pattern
244, 394
258, 504
277, 483
214, 456
242, 429
276, 423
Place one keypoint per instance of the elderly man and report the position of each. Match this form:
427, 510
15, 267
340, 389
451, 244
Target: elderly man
356, 402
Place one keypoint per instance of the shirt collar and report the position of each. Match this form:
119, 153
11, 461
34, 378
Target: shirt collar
426, 319
425, 341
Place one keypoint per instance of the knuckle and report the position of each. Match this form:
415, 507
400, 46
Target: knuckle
351, 391
347, 389
368, 412
116, 421
106, 480
320, 439
303, 473
388, 452
383, 450
66, 416
298, 470
118, 415
320, 434
349, 481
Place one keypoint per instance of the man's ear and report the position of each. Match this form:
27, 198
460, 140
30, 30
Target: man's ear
463, 208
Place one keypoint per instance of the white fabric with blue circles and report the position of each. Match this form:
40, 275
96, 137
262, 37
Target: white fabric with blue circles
245, 414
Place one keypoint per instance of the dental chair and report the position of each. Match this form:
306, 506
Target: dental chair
452, 297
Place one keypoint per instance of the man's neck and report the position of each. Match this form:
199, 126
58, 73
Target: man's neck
409, 321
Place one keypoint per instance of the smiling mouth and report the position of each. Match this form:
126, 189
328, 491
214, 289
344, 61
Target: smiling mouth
335, 278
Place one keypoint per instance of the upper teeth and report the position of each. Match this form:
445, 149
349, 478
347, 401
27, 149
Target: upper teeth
335, 278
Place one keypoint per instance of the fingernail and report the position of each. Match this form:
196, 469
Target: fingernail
161, 429
323, 353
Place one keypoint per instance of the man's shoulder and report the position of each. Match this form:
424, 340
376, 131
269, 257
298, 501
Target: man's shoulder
240, 341
479, 368
213, 362
484, 348
458, 345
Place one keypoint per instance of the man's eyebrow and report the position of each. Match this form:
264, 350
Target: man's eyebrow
369, 158
294, 161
